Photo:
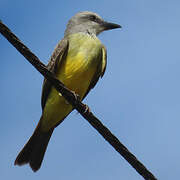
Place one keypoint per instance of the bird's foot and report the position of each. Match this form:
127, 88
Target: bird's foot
87, 109
75, 95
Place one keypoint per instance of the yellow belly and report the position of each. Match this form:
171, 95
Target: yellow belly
76, 72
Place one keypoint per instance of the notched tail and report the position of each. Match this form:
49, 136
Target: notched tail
34, 150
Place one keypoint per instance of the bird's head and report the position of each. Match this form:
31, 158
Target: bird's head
88, 22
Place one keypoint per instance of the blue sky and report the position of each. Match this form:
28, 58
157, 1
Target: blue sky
138, 98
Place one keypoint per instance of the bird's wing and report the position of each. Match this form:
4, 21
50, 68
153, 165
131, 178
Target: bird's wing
100, 70
56, 59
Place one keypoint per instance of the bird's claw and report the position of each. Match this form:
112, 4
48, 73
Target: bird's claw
87, 109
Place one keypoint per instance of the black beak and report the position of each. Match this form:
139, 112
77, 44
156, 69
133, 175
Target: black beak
108, 26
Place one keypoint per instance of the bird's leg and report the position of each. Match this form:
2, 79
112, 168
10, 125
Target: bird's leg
87, 109
75, 95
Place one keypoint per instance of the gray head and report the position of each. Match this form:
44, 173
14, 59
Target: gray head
88, 22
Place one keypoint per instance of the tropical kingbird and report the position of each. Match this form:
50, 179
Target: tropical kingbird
79, 60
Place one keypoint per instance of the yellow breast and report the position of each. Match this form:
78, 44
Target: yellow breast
76, 72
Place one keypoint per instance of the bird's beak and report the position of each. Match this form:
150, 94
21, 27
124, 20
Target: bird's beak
108, 25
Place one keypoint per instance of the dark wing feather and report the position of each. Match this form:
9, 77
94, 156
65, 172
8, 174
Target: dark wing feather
58, 55
100, 70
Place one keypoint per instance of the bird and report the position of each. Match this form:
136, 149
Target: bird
78, 61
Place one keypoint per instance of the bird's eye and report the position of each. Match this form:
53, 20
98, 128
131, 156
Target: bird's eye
93, 18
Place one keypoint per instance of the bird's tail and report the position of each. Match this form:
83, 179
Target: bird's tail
34, 150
